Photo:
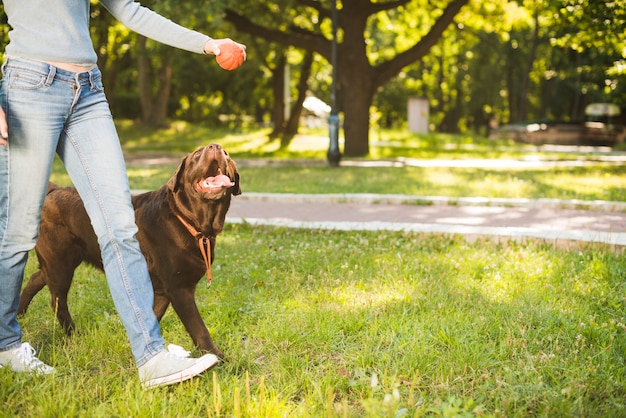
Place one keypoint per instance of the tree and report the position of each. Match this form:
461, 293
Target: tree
594, 34
286, 128
511, 61
584, 24
358, 77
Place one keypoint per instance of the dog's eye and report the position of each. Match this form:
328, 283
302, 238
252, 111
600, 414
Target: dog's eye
197, 154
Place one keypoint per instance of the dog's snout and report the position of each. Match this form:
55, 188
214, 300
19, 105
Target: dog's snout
214, 152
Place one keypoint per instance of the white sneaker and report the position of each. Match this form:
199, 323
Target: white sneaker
173, 366
22, 359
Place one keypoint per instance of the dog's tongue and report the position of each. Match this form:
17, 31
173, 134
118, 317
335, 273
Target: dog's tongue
214, 184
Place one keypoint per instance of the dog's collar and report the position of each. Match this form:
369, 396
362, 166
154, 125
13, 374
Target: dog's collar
203, 242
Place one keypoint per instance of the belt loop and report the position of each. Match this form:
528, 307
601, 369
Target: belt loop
91, 86
51, 73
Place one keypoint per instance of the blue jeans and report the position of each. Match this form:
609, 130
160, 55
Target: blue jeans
52, 110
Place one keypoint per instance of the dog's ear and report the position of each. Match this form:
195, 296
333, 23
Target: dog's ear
176, 179
234, 174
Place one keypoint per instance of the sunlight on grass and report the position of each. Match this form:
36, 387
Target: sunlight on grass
440, 181
349, 297
358, 324
572, 183
307, 143
304, 168
182, 136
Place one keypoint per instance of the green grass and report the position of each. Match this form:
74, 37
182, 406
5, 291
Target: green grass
589, 183
360, 324
182, 137
306, 159
584, 183
392, 324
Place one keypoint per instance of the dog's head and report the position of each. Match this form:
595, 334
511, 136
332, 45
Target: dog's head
208, 172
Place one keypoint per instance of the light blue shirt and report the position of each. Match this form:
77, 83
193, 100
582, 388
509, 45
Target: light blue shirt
58, 30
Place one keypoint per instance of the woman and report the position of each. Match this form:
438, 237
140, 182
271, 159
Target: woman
52, 101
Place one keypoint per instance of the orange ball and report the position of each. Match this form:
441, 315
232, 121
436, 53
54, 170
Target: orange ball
231, 56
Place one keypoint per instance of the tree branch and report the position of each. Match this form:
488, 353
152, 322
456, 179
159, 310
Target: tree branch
387, 70
324, 13
297, 37
388, 5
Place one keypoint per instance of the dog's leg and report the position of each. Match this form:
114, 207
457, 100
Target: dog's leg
58, 301
161, 303
184, 303
34, 285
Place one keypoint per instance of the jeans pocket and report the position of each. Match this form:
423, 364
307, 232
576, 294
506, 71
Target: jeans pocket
25, 79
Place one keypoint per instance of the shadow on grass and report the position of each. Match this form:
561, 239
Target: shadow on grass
363, 323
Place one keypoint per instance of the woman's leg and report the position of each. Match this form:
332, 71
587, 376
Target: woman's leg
90, 149
35, 114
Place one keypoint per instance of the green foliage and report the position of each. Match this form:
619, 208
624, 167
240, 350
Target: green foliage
392, 325
511, 61
501, 61
599, 25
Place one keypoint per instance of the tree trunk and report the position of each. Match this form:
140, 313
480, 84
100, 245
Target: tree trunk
530, 61
291, 127
153, 108
278, 89
158, 118
356, 81
356, 117
144, 78
512, 83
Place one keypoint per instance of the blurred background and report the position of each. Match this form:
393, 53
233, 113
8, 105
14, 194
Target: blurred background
537, 71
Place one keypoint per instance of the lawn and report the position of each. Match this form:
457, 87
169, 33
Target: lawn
358, 324
362, 324
593, 176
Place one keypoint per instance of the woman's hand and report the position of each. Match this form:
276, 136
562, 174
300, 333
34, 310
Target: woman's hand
212, 46
4, 128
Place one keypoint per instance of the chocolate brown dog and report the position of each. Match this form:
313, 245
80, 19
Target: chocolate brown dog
178, 225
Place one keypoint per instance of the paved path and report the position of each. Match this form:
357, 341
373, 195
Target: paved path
553, 220
557, 221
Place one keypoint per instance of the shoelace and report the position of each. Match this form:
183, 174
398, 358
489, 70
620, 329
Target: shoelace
177, 350
26, 354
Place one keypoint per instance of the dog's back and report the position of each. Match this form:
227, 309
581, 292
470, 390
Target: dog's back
66, 239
